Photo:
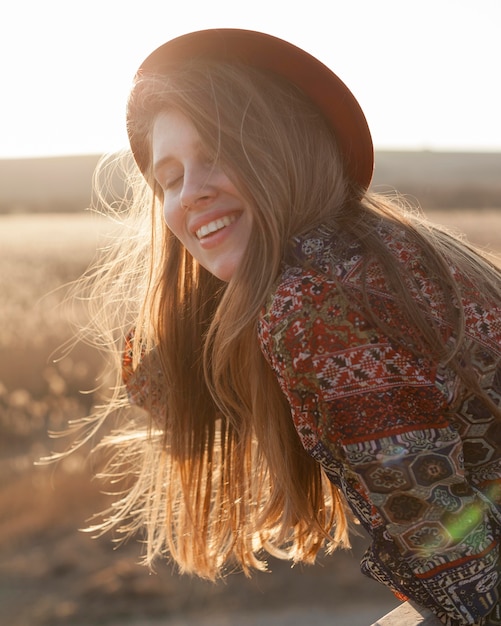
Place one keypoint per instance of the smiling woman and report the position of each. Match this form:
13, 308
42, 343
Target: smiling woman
301, 352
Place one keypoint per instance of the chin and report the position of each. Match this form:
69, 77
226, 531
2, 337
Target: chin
223, 272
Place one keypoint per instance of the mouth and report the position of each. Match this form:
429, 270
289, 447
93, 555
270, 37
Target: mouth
215, 226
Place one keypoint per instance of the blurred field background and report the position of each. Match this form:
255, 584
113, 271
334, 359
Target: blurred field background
50, 572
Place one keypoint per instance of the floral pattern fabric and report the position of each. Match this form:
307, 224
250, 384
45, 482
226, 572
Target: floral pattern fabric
417, 457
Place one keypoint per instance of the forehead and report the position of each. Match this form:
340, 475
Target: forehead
173, 136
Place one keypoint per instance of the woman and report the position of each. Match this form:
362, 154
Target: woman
308, 353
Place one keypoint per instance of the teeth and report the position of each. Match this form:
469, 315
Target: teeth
214, 226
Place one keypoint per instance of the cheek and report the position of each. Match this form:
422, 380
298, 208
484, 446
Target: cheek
173, 217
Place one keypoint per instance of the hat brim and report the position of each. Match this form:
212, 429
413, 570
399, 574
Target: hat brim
315, 79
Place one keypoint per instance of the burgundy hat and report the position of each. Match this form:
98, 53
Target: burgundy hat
316, 80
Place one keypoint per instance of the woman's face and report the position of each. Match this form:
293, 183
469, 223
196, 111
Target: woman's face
202, 207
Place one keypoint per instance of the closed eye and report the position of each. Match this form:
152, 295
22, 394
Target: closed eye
168, 172
169, 177
171, 183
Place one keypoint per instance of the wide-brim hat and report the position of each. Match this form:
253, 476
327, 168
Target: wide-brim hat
266, 52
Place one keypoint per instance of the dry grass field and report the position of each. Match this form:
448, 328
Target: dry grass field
51, 573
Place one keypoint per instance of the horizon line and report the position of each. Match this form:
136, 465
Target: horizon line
404, 149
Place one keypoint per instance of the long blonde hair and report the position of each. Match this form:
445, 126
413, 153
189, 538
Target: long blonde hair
220, 474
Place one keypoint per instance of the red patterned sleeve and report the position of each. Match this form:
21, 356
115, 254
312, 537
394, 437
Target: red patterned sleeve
384, 415
143, 384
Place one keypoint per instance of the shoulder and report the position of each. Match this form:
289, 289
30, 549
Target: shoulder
310, 302
315, 267
324, 269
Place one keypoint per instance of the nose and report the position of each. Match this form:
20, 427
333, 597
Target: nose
198, 189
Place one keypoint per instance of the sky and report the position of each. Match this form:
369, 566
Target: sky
426, 72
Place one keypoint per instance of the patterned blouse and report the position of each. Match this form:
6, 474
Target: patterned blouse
417, 457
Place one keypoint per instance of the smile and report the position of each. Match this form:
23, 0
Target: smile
212, 227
